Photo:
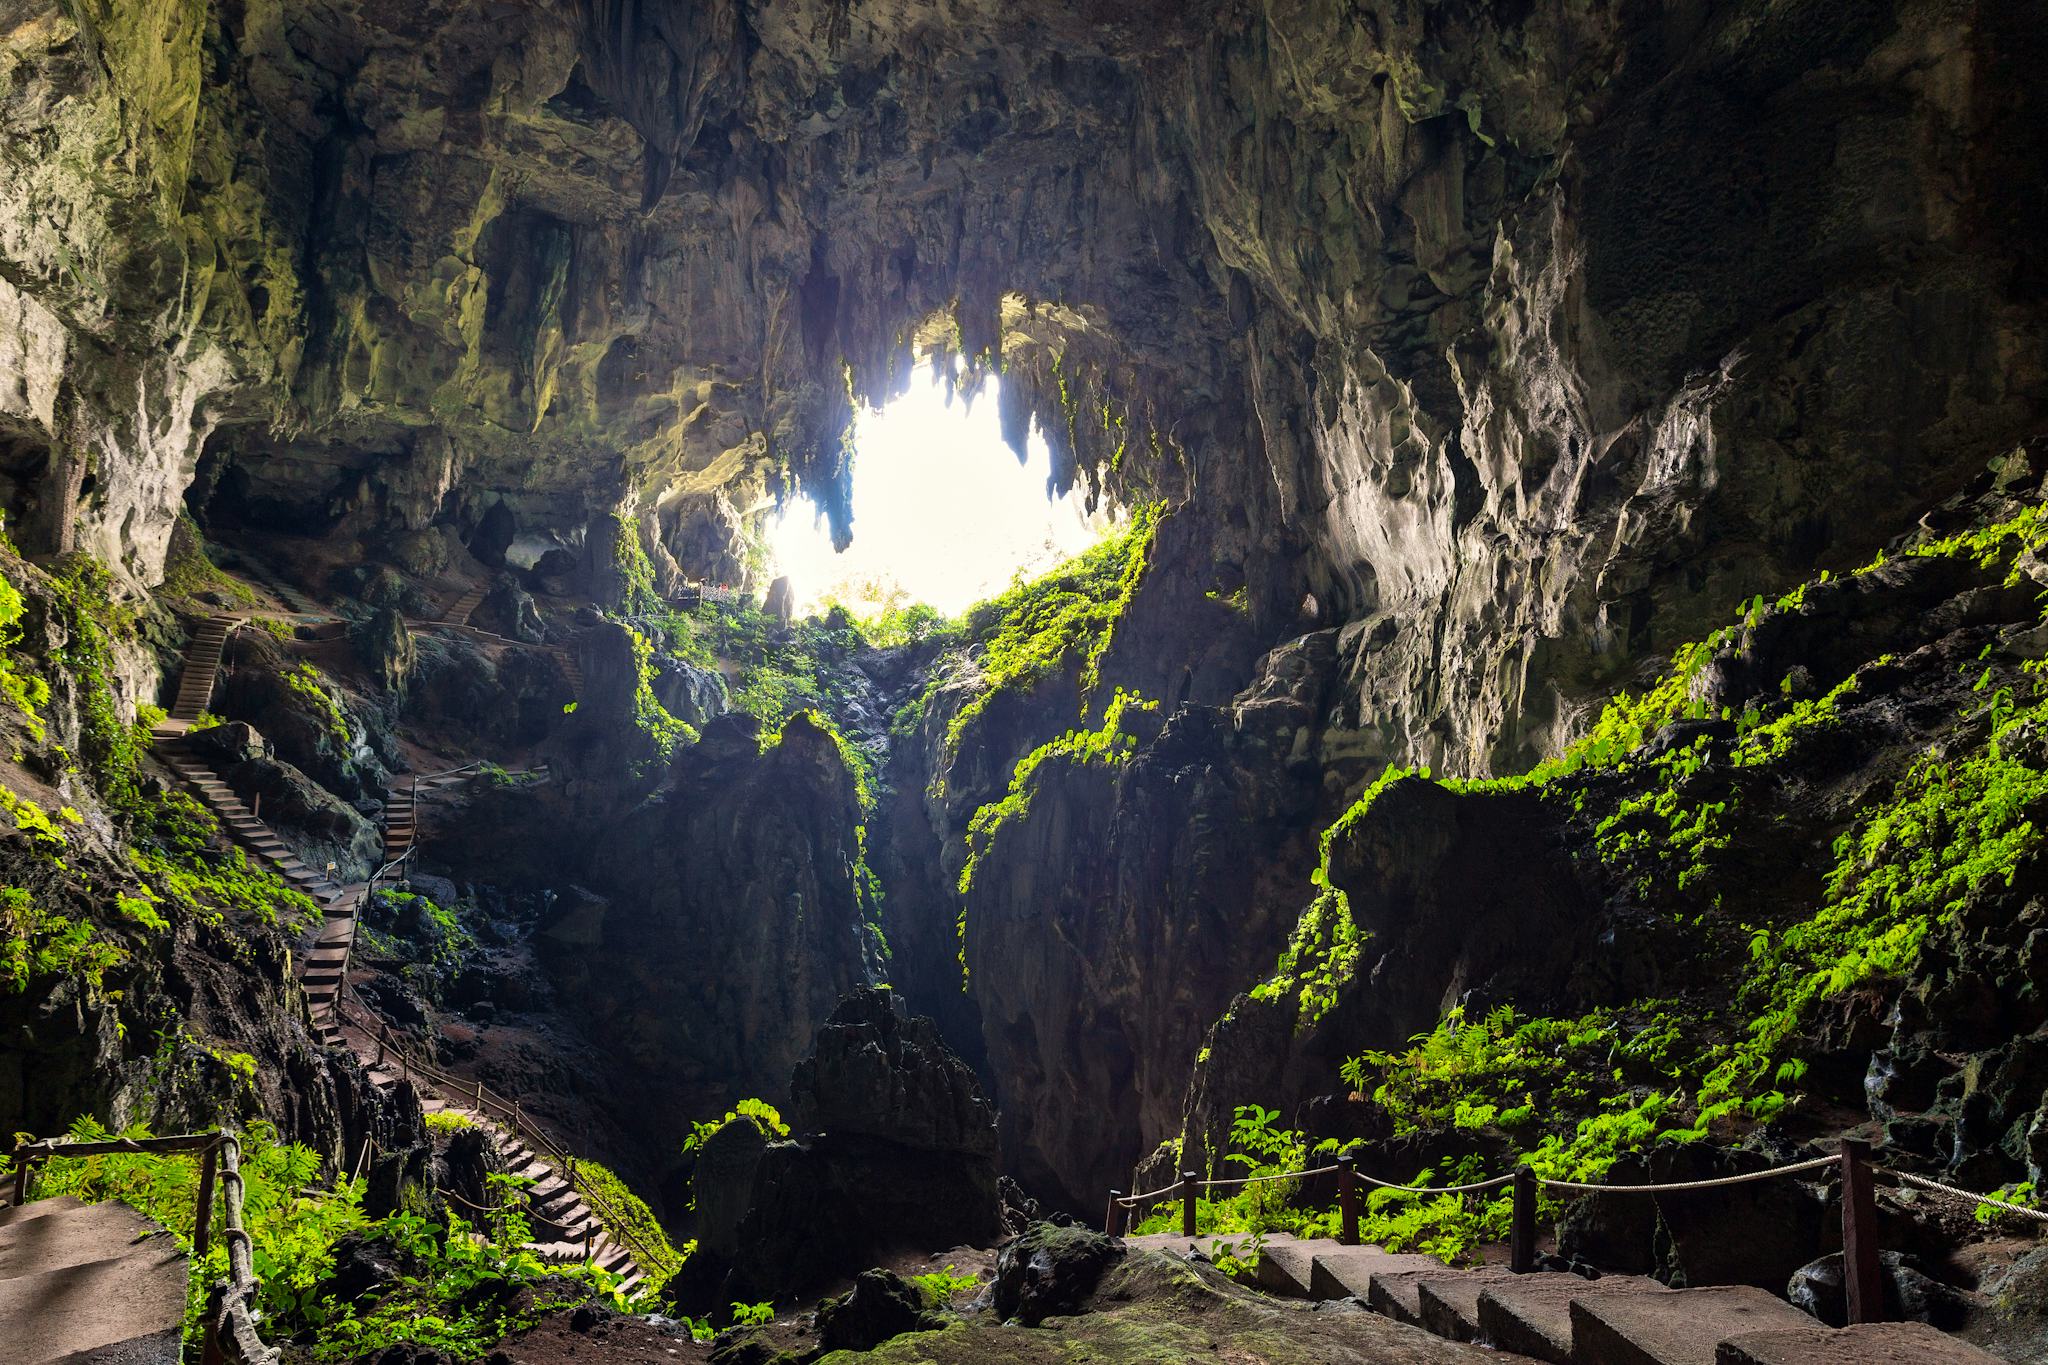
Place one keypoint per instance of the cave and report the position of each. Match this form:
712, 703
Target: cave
678, 658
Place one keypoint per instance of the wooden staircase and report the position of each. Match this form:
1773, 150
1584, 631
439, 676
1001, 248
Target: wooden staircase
296, 602
572, 1230
465, 606
1566, 1320
567, 1230
199, 672
401, 812
245, 828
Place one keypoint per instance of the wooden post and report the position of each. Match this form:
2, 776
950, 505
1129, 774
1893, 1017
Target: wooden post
1188, 1186
1522, 1232
256, 811
589, 1241
1109, 1214
21, 1165
1862, 1274
202, 1218
210, 1352
1347, 1201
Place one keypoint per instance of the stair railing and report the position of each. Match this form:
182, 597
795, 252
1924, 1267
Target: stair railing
508, 1112
220, 1162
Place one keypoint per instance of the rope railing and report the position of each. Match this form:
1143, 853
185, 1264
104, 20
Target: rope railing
233, 1318
507, 1112
1681, 1186
237, 1318
1863, 1273
1921, 1182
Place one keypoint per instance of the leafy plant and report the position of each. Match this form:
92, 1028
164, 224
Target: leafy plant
941, 1287
760, 1113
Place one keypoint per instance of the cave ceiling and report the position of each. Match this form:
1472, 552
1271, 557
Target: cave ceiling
1524, 336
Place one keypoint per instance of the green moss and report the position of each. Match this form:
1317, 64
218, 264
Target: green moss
1323, 950
305, 680
1105, 746
29, 693
1575, 1094
652, 718
1065, 619
634, 571
189, 574
637, 1227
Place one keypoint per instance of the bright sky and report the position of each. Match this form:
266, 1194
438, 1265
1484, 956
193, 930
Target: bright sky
941, 509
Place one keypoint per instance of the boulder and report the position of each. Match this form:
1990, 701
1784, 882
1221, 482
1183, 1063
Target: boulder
781, 602
723, 1185
689, 693
1050, 1271
1755, 1234
881, 1305
1909, 1294
385, 646
509, 610
874, 1073
317, 825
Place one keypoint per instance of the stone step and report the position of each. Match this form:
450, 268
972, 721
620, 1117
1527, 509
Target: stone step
1871, 1343
1531, 1315
1349, 1272
1677, 1327
1448, 1305
1285, 1267
563, 1205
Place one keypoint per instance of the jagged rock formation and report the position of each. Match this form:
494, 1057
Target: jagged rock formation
893, 1147
1472, 321
1483, 352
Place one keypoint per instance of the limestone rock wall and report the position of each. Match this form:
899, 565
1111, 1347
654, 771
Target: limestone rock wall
1532, 334
1498, 347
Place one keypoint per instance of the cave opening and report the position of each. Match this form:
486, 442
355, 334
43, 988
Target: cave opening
944, 512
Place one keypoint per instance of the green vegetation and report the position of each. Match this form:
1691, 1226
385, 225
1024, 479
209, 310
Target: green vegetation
760, 1113
29, 693
168, 838
189, 574
1064, 619
635, 572
1573, 1095
1106, 746
458, 1291
634, 1225
941, 1287
304, 679
36, 943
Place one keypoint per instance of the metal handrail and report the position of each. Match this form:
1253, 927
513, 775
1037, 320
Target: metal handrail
521, 1124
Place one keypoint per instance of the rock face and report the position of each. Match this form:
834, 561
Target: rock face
1485, 353
875, 1073
730, 924
894, 1148
1535, 335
